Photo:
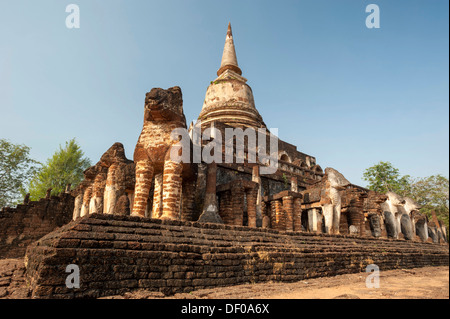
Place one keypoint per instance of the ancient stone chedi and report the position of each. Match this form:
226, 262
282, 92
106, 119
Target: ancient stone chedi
297, 196
229, 99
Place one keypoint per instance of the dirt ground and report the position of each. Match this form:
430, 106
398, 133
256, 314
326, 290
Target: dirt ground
417, 283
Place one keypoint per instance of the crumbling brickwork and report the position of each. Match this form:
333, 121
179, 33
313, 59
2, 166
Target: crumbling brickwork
353, 218
154, 163
12, 279
284, 210
116, 254
374, 214
26, 223
108, 186
237, 199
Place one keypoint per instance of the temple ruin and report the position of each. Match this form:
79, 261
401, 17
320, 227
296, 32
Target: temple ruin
157, 223
298, 196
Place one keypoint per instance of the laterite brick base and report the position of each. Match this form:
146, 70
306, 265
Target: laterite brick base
116, 254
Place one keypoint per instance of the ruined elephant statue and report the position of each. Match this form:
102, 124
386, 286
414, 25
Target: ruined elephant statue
406, 227
443, 231
107, 186
374, 212
412, 208
330, 199
152, 156
436, 229
120, 180
421, 225
433, 232
397, 212
375, 222
93, 176
391, 214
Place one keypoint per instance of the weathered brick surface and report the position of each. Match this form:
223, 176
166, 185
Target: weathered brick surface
163, 114
12, 281
121, 253
24, 224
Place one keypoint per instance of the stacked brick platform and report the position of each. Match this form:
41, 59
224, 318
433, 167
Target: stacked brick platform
116, 254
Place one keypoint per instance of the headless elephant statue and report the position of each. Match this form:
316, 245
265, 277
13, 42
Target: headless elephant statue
330, 199
87, 191
375, 224
433, 232
374, 212
443, 231
119, 181
406, 226
421, 225
163, 113
437, 228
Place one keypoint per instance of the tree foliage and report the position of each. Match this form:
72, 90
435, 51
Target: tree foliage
66, 166
384, 177
16, 167
431, 192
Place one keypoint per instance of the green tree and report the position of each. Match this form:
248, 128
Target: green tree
66, 166
432, 193
384, 177
16, 167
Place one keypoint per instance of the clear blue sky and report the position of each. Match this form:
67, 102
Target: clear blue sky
348, 95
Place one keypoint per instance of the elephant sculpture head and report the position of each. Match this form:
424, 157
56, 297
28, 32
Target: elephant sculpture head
395, 201
411, 205
336, 180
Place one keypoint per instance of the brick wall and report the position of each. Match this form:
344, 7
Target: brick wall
116, 254
24, 224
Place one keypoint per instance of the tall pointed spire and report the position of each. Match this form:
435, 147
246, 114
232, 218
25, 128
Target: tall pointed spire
229, 60
229, 99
